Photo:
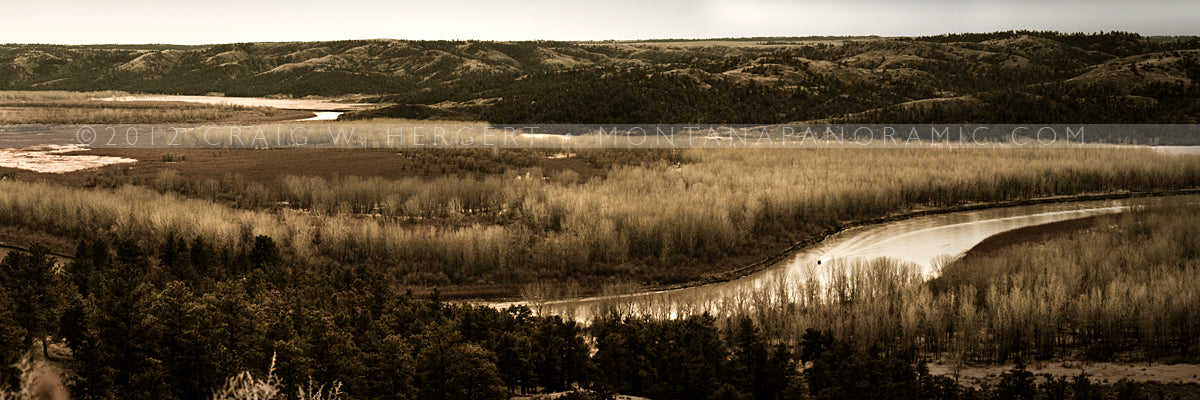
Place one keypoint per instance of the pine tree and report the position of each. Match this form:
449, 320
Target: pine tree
448, 368
40, 293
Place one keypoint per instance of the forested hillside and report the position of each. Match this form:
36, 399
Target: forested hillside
1001, 77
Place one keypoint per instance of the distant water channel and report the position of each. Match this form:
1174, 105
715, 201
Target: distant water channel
324, 116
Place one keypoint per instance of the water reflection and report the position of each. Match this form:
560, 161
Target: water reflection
323, 116
915, 245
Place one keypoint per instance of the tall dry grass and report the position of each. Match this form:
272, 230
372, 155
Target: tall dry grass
60, 107
245, 386
656, 222
714, 204
80, 114
57, 95
141, 214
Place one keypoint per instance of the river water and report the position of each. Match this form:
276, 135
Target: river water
323, 110
323, 116
286, 104
921, 241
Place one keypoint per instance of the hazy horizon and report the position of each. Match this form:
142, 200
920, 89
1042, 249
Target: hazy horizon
226, 21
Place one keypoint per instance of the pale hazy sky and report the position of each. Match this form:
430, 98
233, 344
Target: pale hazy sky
222, 21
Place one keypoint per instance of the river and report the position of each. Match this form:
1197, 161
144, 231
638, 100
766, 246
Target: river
921, 241
324, 110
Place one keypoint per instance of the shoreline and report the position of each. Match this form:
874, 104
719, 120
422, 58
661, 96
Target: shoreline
780, 255
777, 256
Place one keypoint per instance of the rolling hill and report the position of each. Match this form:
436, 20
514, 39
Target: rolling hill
1010, 77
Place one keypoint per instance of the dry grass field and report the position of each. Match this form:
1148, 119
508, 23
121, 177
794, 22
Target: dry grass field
36, 107
475, 219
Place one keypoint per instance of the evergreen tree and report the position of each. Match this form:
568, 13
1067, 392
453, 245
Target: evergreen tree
12, 337
40, 293
448, 368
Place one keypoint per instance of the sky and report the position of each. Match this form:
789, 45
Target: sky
224, 21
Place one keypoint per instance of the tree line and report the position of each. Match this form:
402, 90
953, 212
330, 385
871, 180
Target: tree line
138, 327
